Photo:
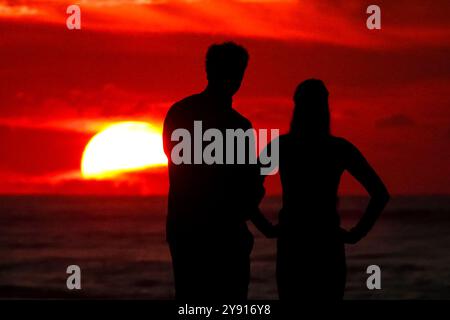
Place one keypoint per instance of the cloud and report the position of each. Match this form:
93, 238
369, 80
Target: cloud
395, 121
15, 10
149, 182
341, 23
84, 111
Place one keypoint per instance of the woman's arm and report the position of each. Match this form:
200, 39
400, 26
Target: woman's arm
263, 224
256, 216
359, 168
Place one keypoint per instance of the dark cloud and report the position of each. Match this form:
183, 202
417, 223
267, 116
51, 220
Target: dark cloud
395, 121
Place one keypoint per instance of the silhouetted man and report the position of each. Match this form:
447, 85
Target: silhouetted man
208, 205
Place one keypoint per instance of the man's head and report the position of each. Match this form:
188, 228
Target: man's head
225, 67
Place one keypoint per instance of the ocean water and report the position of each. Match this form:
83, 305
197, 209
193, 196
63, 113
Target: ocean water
119, 244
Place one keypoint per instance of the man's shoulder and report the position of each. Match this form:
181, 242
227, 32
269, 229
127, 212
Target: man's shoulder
284, 141
184, 103
240, 120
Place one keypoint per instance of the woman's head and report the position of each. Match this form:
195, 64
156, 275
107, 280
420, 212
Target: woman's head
311, 117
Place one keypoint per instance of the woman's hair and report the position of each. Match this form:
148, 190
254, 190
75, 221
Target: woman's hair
311, 117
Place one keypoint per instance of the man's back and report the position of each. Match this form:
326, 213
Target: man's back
204, 199
208, 206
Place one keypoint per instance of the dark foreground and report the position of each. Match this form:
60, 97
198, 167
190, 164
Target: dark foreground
119, 245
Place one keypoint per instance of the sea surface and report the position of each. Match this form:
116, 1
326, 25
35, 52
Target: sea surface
119, 244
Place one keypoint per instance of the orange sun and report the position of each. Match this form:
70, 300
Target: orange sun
122, 147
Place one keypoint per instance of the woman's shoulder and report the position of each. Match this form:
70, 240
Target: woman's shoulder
344, 146
341, 142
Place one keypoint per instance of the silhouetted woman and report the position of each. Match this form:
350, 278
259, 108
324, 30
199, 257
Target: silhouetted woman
311, 256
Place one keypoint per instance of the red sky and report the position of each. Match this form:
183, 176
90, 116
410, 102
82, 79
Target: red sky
132, 59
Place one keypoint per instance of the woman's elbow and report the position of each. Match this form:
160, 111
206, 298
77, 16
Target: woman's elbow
380, 194
383, 196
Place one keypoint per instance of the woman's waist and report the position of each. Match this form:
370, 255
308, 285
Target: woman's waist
318, 212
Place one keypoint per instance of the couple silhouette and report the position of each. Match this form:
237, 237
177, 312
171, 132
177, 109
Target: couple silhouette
209, 205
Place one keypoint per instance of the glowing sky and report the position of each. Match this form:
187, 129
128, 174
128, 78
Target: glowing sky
133, 59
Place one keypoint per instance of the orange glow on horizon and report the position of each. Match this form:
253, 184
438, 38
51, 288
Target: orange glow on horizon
123, 147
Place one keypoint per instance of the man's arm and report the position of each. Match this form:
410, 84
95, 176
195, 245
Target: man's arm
256, 216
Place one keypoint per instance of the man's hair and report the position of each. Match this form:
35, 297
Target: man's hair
225, 58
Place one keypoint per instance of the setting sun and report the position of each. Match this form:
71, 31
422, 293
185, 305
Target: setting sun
122, 147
